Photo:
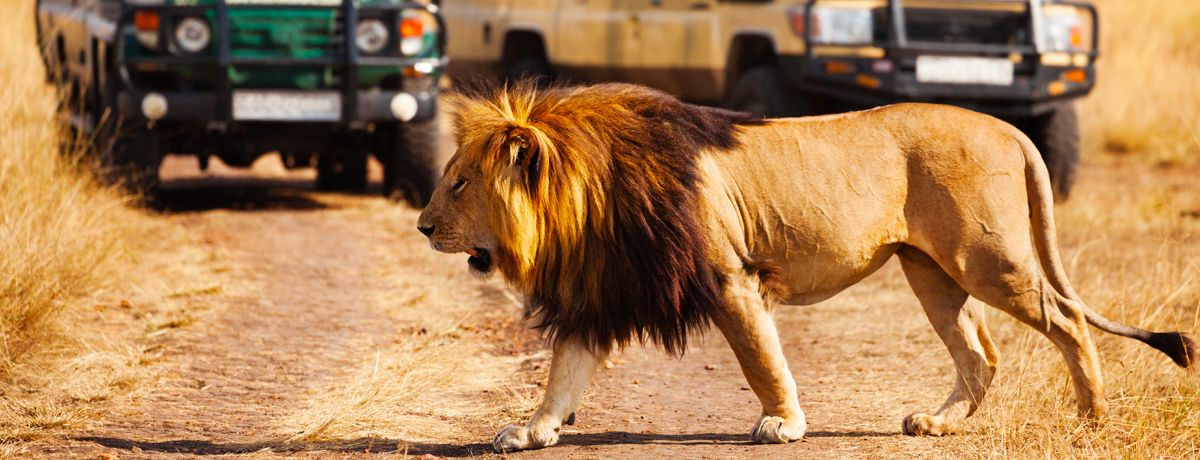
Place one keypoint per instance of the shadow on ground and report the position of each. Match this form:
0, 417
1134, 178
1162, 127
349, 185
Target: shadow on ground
384, 445
381, 445
243, 194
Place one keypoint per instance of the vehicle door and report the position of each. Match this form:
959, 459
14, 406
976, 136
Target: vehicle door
675, 45
593, 41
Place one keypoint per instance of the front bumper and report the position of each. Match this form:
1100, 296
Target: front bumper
1036, 89
369, 106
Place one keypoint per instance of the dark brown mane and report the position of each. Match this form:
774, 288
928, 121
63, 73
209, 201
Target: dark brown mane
629, 262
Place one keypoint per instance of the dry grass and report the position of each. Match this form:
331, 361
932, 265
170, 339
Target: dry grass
441, 380
64, 239
1146, 102
61, 232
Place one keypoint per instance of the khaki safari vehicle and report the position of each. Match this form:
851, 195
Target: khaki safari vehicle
330, 81
1021, 60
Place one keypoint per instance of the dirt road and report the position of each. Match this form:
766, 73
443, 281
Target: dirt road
308, 288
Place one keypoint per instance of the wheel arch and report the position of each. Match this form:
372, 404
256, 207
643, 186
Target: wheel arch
748, 49
523, 42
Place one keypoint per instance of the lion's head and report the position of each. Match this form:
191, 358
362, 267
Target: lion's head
585, 199
456, 218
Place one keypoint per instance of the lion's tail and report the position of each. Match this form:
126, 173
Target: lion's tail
1179, 346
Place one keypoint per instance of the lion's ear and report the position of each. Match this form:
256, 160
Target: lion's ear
525, 155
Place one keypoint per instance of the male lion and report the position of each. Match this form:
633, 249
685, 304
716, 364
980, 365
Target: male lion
622, 213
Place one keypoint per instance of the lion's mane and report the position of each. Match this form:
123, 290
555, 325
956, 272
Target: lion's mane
594, 200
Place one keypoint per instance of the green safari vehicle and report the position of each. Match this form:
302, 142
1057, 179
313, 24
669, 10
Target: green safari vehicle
328, 82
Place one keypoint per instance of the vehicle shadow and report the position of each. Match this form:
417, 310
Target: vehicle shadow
235, 193
266, 186
621, 437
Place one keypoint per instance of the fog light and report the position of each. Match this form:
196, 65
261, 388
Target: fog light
154, 106
404, 106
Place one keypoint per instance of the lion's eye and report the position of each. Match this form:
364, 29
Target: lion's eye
458, 185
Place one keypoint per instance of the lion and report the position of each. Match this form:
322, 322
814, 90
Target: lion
623, 214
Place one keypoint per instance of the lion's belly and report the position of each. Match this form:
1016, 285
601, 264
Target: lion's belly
815, 278
821, 259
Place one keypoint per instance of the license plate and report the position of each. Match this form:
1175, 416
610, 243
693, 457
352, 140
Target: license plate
964, 70
287, 105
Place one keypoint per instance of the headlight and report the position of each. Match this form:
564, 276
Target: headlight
418, 32
834, 24
192, 35
371, 35
1067, 28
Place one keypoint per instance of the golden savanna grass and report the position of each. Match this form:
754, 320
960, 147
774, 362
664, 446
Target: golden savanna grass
1146, 102
61, 231
63, 237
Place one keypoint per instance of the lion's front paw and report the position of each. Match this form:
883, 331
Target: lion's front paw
927, 425
778, 430
518, 437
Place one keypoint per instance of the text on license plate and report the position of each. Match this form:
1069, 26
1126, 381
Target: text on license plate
964, 70
287, 105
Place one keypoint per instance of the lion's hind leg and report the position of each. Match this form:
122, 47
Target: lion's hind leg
961, 327
1007, 276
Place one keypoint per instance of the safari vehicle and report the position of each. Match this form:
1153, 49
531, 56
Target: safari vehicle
330, 81
1020, 60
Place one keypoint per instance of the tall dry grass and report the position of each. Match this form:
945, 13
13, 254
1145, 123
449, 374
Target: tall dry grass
1146, 103
63, 236
61, 232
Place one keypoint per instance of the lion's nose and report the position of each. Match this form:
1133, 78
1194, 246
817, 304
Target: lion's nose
425, 230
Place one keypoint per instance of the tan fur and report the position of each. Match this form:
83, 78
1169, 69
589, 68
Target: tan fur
805, 208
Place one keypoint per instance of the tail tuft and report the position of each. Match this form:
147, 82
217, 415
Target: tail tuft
1179, 346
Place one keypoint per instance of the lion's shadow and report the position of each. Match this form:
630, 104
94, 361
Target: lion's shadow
621, 437
385, 445
359, 445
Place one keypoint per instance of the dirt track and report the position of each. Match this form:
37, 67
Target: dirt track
299, 272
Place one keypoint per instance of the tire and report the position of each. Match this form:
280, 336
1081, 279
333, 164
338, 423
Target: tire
534, 68
411, 169
762, 91
131, 158
342, 170
1056, 135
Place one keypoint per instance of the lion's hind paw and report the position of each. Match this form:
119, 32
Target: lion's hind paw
519, 437
927, 425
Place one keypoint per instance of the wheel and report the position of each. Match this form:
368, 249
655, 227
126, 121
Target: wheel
342, 169
534, 68
1056, 135
131, 157
763, 91
411, 168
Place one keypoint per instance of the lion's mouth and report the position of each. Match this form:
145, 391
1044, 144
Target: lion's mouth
480, 259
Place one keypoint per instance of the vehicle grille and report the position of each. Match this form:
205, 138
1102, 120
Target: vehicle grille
959, 26
284, 33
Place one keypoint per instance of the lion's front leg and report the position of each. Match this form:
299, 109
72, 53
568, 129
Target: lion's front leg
571, 369
750, 331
